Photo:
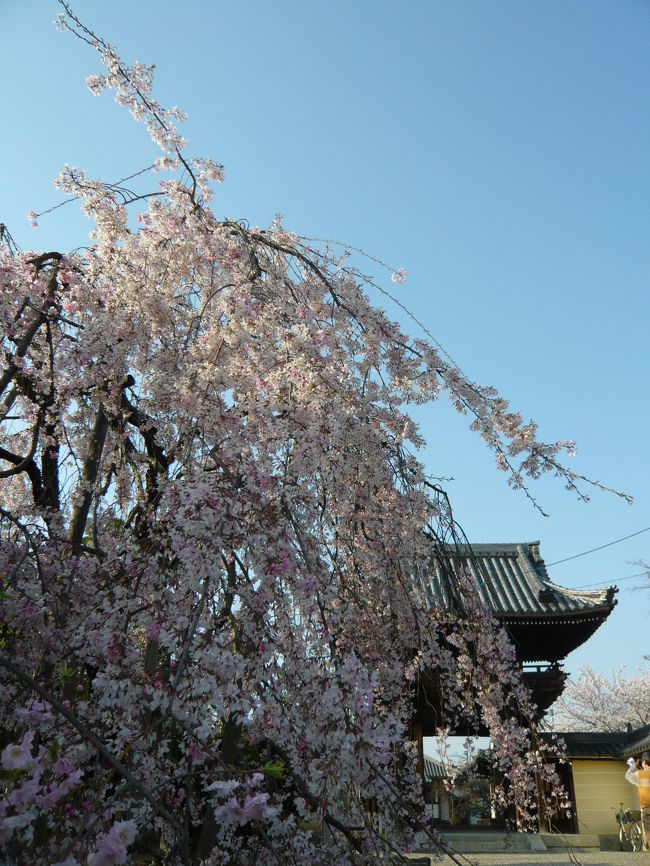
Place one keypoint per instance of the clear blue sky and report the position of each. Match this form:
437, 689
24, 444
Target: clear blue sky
497, 150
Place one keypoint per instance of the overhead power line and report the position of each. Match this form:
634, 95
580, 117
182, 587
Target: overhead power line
608, 582
594, 549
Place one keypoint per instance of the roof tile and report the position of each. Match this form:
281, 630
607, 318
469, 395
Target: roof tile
512, 580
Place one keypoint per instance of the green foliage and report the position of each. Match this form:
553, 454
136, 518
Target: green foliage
274, 769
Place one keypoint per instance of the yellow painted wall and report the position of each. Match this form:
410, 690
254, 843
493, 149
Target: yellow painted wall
600, 787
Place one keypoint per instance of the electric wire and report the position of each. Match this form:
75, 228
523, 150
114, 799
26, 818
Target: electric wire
601, 547
607, 582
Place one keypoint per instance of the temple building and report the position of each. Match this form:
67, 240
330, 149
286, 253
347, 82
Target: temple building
544, 621
594, 777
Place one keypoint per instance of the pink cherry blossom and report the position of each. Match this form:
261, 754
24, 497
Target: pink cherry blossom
95, 83
256, 807
11, 823
223, 788
123, 832
18, 756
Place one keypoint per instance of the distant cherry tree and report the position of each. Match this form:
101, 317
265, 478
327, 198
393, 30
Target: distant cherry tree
600, 702
210, 515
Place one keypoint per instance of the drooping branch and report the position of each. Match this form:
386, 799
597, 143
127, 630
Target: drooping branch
314, 803
188, 643
30, 542
23, 344
91, 738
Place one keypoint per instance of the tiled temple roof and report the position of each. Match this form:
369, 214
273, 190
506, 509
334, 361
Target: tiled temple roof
513, 582
604, 744
433, 770
639, 742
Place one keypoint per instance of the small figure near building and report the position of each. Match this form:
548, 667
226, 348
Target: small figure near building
641, 778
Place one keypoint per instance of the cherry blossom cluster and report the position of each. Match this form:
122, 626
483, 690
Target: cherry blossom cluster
599, 702
211, 513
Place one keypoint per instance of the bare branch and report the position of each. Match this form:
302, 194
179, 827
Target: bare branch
23, 464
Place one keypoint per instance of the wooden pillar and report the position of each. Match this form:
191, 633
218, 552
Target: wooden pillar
571, 790
416, 735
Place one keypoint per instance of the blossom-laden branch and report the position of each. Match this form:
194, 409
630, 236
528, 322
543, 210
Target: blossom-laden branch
89, 737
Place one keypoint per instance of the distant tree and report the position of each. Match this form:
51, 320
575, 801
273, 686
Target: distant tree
645, 585
596, 702
209, 516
